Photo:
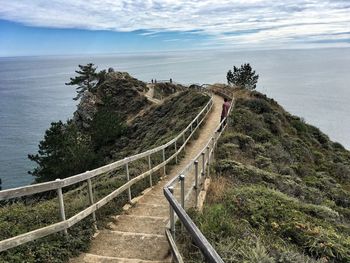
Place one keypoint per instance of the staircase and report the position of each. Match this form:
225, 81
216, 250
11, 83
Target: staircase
137, 235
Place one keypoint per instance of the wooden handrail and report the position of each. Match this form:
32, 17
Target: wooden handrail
65, 224
176, 208
52, 185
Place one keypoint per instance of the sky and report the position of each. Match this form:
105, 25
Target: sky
56, 27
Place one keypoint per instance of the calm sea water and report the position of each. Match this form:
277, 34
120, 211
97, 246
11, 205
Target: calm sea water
313, 84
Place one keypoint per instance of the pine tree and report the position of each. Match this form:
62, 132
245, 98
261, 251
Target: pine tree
243, 77
86, 80
63, 152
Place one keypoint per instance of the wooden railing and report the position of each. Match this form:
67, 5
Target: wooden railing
201, 167
58, 184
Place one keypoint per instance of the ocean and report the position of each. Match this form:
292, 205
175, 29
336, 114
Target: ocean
313, 84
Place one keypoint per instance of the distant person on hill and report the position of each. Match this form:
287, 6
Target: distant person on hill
224, 112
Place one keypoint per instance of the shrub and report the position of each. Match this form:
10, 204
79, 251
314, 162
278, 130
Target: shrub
258, 106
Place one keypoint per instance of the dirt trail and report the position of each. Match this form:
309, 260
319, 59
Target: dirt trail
150, 94
138, 235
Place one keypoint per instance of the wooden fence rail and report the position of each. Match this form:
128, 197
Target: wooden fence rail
177, 207
88, 175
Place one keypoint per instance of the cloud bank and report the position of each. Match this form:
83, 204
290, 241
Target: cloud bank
241, 23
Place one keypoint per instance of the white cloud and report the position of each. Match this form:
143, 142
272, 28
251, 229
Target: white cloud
239, 22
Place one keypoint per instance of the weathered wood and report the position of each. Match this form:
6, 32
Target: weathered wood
175, 145
196, 186
172, 214
149, 168
128, 179
32, 235
206, 248
58, 185
91, 200
203, 244
172, 181
182, 186
43, 187
164, 167
203, 163
29, 190
61, 206
175, 252
208, 161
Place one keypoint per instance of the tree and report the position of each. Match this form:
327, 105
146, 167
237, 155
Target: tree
243, 77
64, 152
106, 127
86, 80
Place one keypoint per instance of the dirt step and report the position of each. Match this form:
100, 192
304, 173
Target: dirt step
147, 209
152, 198
91, 258
156, 195
139, 224
130, 245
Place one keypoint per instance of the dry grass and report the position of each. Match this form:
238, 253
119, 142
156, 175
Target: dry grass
241, 93
217, 189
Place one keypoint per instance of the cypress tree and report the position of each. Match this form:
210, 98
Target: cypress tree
86, 80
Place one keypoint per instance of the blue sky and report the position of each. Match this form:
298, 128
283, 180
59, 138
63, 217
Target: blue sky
41, 27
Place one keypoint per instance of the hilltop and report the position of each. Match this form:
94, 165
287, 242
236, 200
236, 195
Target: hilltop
281, 189
113, 119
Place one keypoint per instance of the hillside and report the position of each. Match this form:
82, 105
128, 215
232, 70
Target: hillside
111, 122
281, 190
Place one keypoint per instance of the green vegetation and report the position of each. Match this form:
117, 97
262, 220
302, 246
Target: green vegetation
84, 142
112, 121
280, 191
64, 151
243, 77
163, 90
86, 80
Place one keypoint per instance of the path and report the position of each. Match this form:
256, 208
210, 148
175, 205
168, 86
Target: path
137, 236
150, 94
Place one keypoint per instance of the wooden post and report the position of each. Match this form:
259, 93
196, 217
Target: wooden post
172, 215
182, 181
91, 200
61, 205
128, 179
182, 199
183, 138
196, 180
203, 163
175, 153
208, 160
150, 167
164, 169
213, 149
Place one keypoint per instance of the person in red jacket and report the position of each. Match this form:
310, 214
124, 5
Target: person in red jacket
224, 113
